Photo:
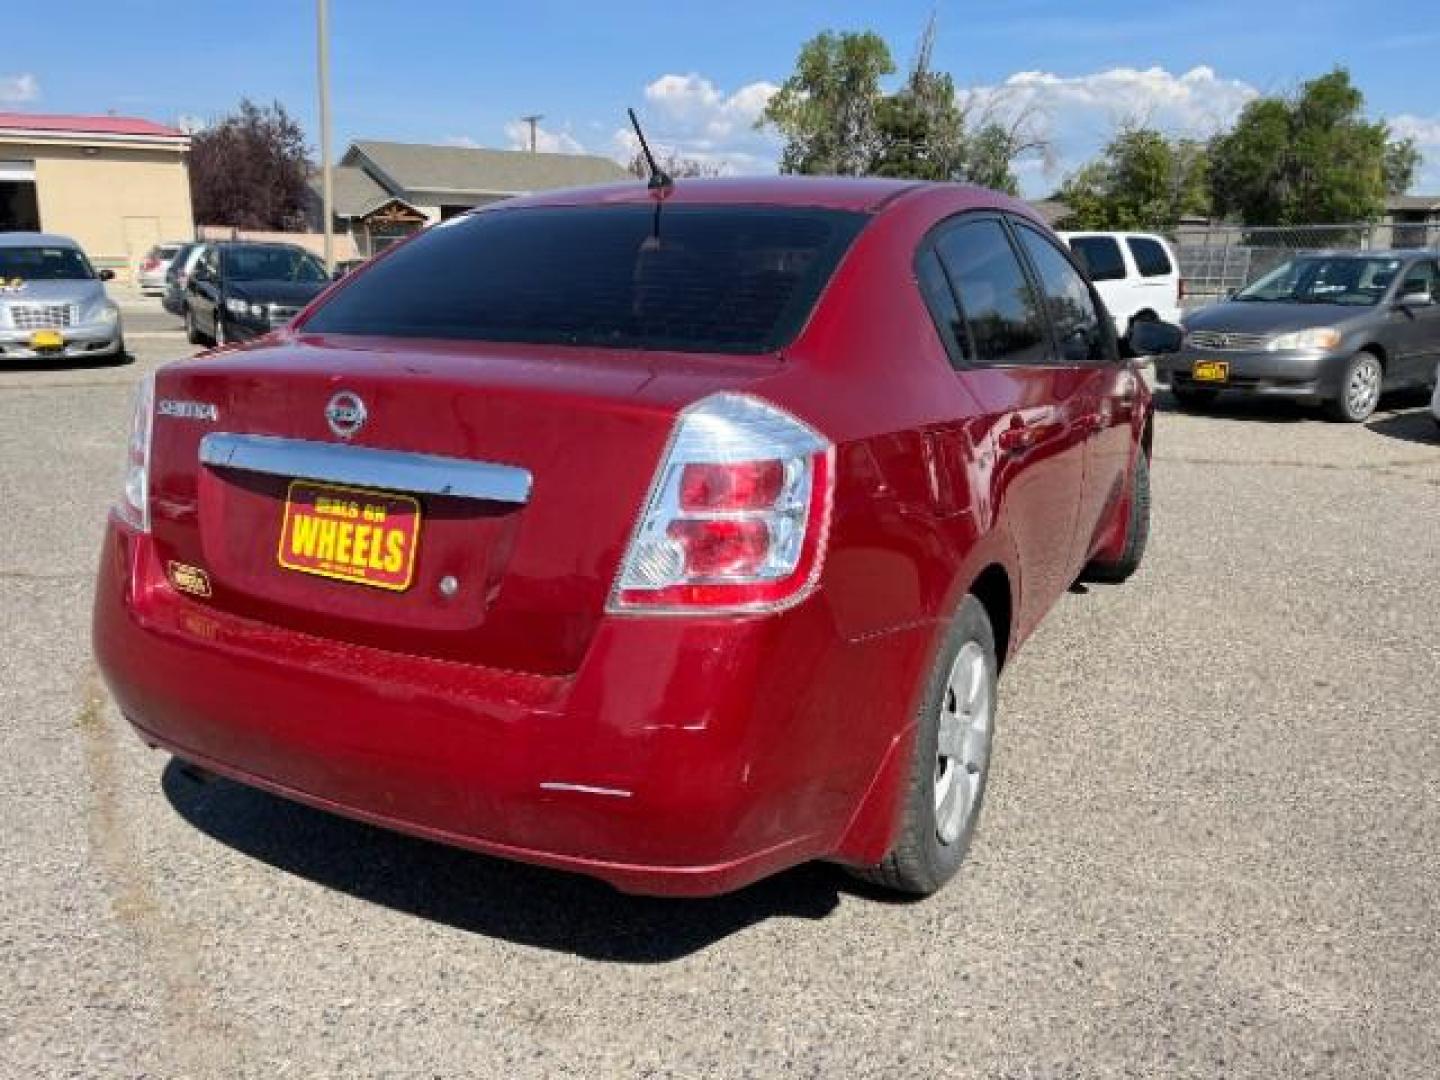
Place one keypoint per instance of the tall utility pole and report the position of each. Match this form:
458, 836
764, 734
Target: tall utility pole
532, 121
327, 194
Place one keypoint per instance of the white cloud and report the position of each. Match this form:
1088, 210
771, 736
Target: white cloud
688, 115
546, 140
18, 89
1079, 113
1425, 130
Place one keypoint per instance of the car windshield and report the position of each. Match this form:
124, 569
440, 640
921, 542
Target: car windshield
44, 263
735, 279
272, 264
1319, 279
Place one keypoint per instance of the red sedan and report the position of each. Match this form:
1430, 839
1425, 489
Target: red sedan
674, 536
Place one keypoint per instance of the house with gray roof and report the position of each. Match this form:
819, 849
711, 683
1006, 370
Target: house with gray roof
384, 191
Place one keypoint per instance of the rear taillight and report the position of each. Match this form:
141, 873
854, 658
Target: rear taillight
737, 514
150, 263
133, 507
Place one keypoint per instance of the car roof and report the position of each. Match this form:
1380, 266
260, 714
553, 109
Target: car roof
1081, 234
862, 194
36, 239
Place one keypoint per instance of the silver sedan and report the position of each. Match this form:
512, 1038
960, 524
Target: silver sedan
53, 304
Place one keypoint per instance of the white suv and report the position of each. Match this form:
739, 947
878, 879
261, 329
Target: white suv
1135, 273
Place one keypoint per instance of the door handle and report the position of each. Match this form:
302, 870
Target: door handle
1018, 438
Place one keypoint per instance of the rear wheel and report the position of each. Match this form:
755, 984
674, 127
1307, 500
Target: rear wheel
1359, 389
1137, 530
951, 763
1187, 397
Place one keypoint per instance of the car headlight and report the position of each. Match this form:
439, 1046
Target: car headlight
1318, 337
257, 311
237, 307
109, 314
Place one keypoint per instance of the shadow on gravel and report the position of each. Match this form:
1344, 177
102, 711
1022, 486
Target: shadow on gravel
1416, 427
1235, 406
480, 895
69, 363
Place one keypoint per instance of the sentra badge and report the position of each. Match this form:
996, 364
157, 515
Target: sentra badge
187, 410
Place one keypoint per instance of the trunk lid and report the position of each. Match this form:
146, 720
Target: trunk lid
530, 578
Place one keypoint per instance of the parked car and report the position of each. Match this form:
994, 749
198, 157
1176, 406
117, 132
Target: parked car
671, 537
150, 274
1136, 275
1435, 398
240, 290
53, 303
177, 277
1333, 327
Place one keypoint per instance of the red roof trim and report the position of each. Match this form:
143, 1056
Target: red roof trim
88, 125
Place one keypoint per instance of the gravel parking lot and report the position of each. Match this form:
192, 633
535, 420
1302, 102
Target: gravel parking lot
1212, 846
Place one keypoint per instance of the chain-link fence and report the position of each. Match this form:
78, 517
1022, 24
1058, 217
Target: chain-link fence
1215, 260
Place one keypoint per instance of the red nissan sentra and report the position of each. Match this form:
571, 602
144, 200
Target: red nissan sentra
674, 536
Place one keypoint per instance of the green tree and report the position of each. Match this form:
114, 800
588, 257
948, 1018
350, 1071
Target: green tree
827, 109
1310, 157
1142, 180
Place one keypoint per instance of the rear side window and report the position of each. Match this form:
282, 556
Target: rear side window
690, 278
1079, 330
941, 301
1001, 311
1150, 257
1100, 256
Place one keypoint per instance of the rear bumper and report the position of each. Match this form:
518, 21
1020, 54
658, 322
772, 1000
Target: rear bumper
1306, 375
683, 758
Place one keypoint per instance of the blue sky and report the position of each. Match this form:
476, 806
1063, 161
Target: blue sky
463, 72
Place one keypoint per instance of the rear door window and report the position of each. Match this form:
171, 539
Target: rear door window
1100, 255
1000, 308
1150, 257
1079, 330
734, 279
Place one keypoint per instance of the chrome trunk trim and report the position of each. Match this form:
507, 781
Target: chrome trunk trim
362, 466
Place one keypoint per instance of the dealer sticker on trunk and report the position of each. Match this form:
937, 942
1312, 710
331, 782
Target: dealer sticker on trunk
350, 534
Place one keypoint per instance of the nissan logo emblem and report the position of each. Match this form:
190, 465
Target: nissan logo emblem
346, 414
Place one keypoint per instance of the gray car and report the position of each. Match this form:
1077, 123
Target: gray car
1331, 327
52, 302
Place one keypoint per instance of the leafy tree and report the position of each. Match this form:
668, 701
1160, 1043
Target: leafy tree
1402, 162
250, 170
836, 118
1311, 157
1142, 180
675, 166
827, 109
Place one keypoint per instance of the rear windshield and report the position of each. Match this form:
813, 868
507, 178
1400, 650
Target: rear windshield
690, 278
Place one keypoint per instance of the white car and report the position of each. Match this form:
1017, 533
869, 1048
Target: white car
150, 274
1136, 275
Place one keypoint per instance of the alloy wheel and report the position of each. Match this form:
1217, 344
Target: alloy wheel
1362, 392
963, 752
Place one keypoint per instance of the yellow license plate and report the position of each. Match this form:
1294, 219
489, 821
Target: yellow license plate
1210, 371
47, 339
350, 534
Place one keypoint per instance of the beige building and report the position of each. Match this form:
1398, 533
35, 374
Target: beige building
116, 185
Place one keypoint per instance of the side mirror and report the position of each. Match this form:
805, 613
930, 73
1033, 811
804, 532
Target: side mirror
1420, 298
1152, 338
107, 275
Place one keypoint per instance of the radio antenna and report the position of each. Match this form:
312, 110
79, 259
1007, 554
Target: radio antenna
659, 178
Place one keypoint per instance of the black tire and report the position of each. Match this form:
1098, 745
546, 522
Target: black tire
920, 862
192, 332
1137, 530
1345, 408
1191, 399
